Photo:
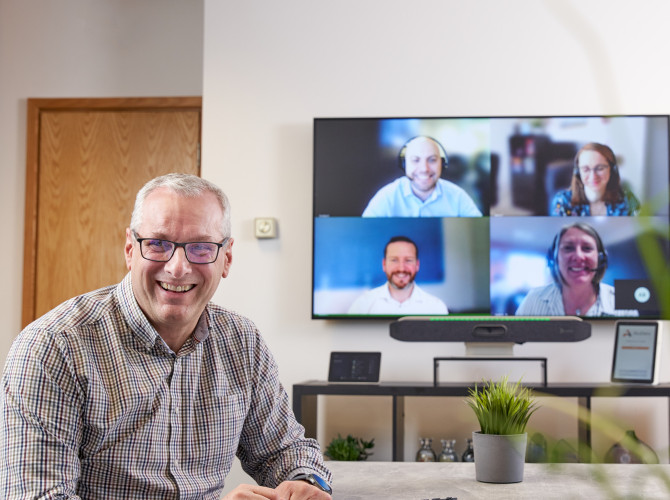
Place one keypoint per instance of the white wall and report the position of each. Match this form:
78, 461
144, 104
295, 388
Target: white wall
271, 67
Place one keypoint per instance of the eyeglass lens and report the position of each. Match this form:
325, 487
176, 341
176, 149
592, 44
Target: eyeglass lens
598, 170
162, 251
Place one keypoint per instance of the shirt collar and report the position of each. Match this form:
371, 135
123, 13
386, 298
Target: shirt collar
387, 293
201, 331
555, 301
406, 187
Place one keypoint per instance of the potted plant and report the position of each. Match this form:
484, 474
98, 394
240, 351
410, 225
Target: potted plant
349, 448
503, 410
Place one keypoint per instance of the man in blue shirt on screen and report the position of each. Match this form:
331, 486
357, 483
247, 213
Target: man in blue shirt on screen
400, 295
421, 192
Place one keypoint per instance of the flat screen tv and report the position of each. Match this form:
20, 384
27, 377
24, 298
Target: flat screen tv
490, 216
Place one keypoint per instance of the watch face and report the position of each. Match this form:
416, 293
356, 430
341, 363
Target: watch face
321, 483
314, 480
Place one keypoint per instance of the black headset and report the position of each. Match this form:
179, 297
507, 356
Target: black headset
403, 150
552, 253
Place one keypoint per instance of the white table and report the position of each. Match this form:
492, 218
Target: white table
417, 481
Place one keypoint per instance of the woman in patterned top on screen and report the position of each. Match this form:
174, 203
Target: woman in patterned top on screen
596, 186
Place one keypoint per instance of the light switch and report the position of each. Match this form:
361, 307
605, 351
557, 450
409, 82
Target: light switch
266, 227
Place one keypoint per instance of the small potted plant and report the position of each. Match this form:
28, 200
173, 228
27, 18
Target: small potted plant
503, 410
349, 448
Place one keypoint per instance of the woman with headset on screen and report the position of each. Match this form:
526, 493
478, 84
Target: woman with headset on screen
578, 260
596, 186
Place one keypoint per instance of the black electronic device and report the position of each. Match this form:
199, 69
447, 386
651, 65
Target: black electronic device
354, 366
636, 352
513, 169
516, 330
444, 158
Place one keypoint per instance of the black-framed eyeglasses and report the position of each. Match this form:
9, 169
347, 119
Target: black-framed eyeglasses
598, 170
197, 252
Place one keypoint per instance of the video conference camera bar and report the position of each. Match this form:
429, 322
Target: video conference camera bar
513, 329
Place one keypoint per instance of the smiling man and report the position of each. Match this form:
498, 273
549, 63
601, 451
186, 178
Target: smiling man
400, 295
421, 192
146, 389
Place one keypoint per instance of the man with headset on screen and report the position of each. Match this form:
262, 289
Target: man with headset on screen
400, 295
421, 192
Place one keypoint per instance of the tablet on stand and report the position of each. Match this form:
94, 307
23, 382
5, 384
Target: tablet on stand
636, 352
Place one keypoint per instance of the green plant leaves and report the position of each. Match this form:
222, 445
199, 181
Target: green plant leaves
349, 448
502, 407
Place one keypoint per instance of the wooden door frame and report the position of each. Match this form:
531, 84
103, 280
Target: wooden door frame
34, 112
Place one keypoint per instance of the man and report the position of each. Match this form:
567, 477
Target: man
421, 192
145, 389
400, 295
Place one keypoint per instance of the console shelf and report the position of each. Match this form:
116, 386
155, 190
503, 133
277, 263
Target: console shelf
305, 400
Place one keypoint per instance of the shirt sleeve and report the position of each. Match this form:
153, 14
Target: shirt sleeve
273, 447
39, 422
468, 208
560, 203
361, 305
534, 303
378, 206
523, 309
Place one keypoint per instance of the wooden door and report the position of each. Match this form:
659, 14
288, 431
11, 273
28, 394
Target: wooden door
86, 160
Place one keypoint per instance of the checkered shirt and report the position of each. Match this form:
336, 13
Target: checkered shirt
95, 405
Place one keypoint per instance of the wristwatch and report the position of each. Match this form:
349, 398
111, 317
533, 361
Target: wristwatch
314, 480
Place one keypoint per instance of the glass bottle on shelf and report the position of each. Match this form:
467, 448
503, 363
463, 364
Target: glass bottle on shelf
631, 450
447, 454
426, 453
469, 453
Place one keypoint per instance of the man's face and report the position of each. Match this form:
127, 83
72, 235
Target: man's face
577, 257
423, 164
169, 216
400, 264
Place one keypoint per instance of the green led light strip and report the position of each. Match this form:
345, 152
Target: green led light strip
497, 319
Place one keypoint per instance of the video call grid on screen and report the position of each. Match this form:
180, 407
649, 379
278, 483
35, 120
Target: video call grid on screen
511, 169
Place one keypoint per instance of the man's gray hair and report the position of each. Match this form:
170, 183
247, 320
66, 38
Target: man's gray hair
184, 185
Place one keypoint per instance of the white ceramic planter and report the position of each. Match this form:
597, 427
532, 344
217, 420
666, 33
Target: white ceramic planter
499, 459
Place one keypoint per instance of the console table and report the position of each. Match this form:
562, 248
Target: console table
305, 400
416, 481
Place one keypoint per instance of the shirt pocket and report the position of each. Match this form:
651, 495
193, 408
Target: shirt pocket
215, 434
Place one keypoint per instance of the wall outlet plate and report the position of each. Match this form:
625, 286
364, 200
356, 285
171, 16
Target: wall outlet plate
265, 227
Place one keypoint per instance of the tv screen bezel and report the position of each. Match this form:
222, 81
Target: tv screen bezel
485, 314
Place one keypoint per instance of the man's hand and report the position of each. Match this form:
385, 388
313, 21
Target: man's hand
301, 490
254, 492
288, 490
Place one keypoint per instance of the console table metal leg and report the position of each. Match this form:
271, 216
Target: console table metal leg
398, 428
584, 428
307, 415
